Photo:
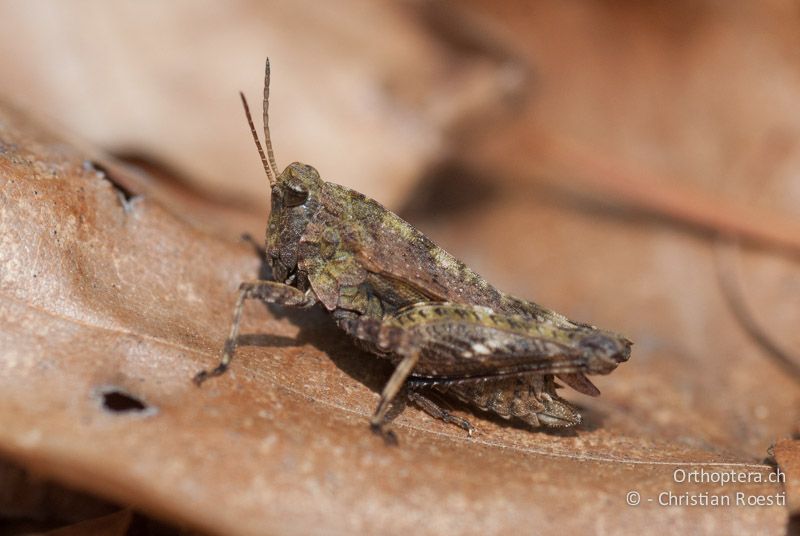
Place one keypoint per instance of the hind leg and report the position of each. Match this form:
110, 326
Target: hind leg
437, 412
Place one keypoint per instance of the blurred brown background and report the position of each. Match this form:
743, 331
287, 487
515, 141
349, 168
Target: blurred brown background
597, 157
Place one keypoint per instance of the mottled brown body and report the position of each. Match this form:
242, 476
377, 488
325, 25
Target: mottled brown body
404, 298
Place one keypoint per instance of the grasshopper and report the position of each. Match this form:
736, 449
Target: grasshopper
403, 298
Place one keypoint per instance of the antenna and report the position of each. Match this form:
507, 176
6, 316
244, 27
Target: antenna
271, 175
267, 138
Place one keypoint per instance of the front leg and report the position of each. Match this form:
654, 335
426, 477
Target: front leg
266, 291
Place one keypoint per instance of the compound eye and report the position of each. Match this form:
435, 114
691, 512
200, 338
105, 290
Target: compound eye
296, 194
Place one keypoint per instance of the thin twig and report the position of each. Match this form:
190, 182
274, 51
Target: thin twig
641, 189
726, 257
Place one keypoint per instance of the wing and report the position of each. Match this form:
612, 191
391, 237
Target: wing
459, 343
453, 348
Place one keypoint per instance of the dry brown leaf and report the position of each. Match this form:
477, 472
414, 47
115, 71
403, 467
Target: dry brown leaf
116, 524
787, 454
360, 86
104, 298
29, 504
109, 302
684, 109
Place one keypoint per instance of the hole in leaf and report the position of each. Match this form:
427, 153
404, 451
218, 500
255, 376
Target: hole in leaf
125, 193
117, 401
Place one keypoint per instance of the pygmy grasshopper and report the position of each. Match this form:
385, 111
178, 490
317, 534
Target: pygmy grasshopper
404, 298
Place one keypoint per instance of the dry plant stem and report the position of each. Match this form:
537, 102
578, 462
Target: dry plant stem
727, 262
689, 205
